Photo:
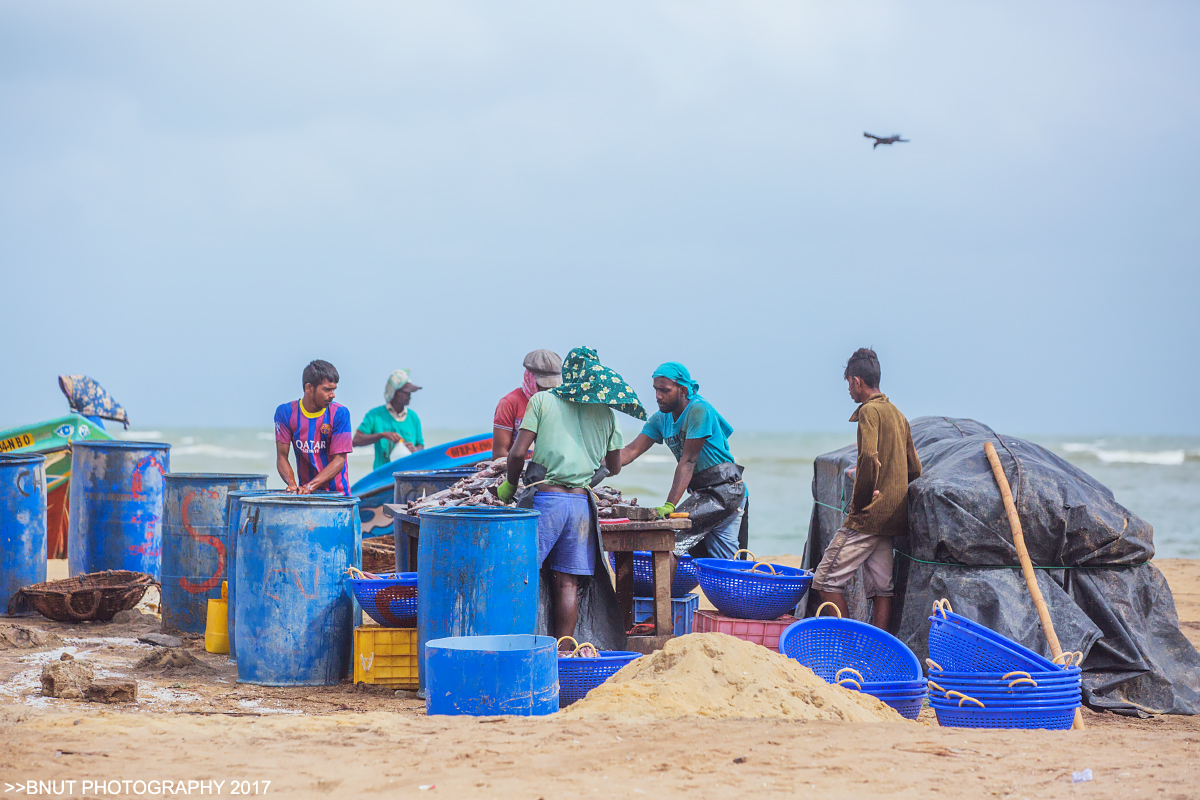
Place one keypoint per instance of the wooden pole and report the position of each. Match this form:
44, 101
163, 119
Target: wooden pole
1014, 522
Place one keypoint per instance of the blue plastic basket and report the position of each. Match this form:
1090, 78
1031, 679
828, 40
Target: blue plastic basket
643, 574
1053, 717
741, 594
829, 644
579, 675
908, 707
1011, 700
1057, 675
959, 644
683, 611
396, 591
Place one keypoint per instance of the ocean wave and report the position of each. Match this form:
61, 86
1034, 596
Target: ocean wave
1166, 458
216, 451
137, 436
265, 437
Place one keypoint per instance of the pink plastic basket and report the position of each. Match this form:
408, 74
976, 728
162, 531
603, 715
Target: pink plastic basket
756, 631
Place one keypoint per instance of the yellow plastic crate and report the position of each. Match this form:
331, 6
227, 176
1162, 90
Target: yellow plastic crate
386, 656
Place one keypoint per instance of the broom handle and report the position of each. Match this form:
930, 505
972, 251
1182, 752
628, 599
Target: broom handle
1014, 522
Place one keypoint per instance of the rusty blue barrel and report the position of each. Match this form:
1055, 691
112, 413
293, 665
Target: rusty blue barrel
116, 504
195, 549
233, 513
22, 525
477, 568
295, 619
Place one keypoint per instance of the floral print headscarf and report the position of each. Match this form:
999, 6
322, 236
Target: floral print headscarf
586, 380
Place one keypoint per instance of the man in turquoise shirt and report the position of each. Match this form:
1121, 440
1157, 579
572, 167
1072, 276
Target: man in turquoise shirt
393, 422
699, 438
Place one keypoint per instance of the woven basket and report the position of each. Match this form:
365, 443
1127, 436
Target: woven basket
379, 554
97, 596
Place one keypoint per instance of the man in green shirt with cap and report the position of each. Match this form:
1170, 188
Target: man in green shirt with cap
393, 422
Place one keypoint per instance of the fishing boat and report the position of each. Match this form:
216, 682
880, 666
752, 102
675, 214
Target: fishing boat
377, 488
89, 404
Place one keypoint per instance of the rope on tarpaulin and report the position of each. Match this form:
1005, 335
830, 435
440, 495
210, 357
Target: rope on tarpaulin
1010, 566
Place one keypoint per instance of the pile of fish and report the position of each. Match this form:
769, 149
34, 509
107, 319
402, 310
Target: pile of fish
476, 491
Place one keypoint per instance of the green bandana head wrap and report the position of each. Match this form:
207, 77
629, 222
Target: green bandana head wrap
586, 380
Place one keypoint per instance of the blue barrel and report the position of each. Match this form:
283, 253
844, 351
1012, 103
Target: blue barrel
487, 676
295, 619
412, 485
116, 504
233, 514
477, 568
195, 553
22, 525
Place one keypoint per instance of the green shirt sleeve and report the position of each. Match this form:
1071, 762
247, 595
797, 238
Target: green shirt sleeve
615, 440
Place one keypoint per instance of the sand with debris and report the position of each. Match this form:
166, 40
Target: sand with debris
714, 675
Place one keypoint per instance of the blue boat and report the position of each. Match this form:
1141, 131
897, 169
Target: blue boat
377, 488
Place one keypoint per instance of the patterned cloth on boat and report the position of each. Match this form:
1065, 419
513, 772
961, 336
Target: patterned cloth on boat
88, 399
586, 380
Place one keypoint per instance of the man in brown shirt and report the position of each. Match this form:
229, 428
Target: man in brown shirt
887, 463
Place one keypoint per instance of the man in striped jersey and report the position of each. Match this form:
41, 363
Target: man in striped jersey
318, 429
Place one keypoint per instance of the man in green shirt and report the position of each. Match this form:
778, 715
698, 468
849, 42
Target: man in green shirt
576, 430
393, 422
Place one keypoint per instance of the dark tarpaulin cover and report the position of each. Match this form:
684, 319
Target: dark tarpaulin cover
1105, 599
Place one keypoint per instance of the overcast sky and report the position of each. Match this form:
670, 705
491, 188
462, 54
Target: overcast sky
198, 198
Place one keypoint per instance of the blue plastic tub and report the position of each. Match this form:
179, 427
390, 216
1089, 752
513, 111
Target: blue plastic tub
578, 675
683, 610
829, 644
1067, 677
685, 580
390, 600
1057, 717
484, 676
741, 593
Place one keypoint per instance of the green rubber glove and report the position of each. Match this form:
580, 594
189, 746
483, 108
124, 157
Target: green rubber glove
665, 510
505, 491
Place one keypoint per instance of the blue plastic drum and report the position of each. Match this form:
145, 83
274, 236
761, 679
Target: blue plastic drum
116, 506
22, 525
195, 553
295, 619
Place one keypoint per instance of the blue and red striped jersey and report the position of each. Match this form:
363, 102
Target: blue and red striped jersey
316, 440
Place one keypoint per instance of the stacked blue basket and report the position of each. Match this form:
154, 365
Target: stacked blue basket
390, 599
643, 574
738, 589
578, 674
980, 679
858, 656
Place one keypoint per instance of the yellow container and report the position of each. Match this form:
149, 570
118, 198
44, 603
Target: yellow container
216, 629
387, 656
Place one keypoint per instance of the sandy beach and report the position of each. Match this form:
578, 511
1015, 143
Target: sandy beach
195, 723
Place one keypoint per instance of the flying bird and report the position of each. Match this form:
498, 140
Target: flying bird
883, 139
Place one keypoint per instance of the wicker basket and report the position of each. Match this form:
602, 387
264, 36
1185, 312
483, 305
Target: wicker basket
96, 596
379, 554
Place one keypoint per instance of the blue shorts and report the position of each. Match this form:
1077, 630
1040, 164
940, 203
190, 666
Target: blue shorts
566, 541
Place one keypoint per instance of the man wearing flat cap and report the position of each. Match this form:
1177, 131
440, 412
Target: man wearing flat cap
393, 422
543, 370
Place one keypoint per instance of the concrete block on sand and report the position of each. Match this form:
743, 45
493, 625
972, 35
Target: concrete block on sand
112, 690
715, 675
67, 679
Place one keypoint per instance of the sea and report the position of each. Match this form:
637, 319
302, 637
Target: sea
1155, 477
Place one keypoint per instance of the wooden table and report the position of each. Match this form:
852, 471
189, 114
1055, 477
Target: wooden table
657, 536
408, 527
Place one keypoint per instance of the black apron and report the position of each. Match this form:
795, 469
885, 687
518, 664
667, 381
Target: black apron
714, 496
599, 616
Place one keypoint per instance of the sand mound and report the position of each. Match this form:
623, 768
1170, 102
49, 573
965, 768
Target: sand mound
714, 675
